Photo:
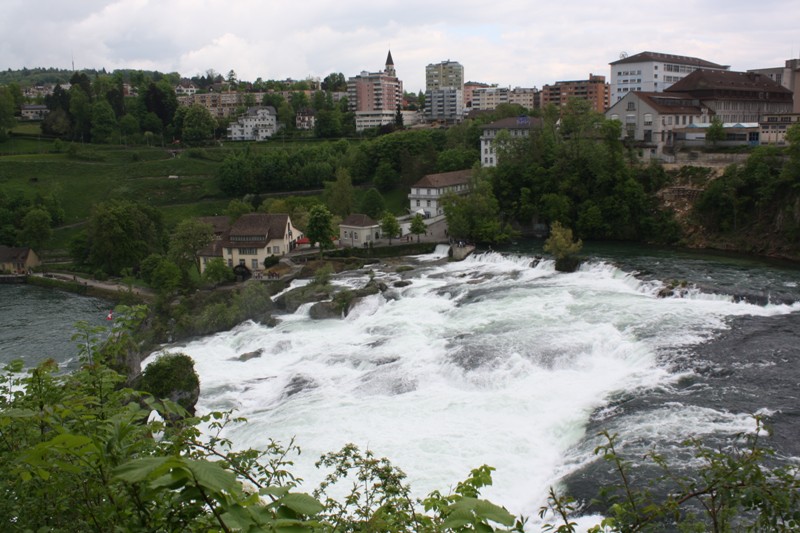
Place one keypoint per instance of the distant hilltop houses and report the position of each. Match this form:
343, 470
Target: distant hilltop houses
663, 101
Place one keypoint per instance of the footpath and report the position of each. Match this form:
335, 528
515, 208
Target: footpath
106, 286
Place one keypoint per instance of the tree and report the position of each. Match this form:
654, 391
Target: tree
715, 131
475, 216
7, 120
398, 117
35, 229
121, 233
328, 123
159, 98
217, 272
561, 244
166, 277
80, 112
187, 239
319, 228
418, 226
128, 125
339, 194
372, 203
389, 226
198, 125
334, 82
104, 122
237, 208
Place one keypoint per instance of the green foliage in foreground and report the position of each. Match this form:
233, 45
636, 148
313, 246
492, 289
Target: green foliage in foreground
80, 452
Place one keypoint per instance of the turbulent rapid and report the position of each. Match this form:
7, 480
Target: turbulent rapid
496, 360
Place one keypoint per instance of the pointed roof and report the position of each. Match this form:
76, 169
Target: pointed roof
389, 60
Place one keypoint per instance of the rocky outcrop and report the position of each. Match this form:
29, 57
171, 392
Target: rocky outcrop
324, 310
250, 355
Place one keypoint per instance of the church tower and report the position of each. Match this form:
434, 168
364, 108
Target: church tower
390, 66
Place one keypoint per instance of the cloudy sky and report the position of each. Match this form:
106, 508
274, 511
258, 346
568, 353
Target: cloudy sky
508, 42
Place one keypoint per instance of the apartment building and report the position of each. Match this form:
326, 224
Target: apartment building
375, 96
444, 91
653, 72
595, 90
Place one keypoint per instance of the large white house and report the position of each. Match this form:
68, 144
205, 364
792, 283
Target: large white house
652, 119
257, 124
426, 194
653, 72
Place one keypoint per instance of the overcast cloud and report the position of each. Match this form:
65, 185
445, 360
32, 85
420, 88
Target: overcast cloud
508, 42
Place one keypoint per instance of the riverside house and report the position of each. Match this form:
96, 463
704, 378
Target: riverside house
251, 239
426, 194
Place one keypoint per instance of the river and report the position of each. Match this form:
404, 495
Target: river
501, 360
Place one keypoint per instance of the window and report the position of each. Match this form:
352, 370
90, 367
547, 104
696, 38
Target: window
248, 251
631, 106
648, 119
428, 203
417, 203
241, 262
276, 249
255, 264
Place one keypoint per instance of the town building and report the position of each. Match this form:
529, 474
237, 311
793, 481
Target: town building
788, 76
256, 124
772, 127
488, 98
251, 239
445, 74
305, 119
594, 90
426, 195
33, 111
444, 105
660, 122
469, 87
652, 119
358, 230
17, 260
517, 128
444, 92
524, 96
185, 88
652, 72
736, 96
374, 97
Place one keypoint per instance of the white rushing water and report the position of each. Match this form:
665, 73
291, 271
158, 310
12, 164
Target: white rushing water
492, 361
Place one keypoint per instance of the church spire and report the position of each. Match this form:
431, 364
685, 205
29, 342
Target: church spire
390, 65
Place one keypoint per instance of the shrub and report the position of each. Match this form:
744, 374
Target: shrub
172, 376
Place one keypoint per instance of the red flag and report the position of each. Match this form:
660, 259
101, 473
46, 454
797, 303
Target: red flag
110, 315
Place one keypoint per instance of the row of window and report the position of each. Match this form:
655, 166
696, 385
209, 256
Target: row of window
679, 68
427, 203
629, 72
254, 251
